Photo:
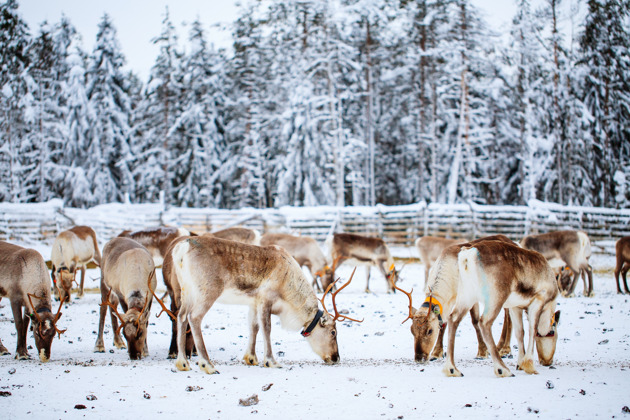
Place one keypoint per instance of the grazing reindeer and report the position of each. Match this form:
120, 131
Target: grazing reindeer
441, 294
503, 275
623, 261
430, 248
129, 273
267, 279
156, 240
362, 250
572, 247
238, 234
24, 276
306, 252
72, 250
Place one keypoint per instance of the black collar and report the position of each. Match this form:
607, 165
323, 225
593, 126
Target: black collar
43, 309
307, 331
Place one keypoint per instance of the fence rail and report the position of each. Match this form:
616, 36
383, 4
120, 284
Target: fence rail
397, 225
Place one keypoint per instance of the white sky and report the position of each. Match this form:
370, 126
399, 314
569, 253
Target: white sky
139, 21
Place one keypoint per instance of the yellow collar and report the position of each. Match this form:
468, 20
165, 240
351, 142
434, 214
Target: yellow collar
431, 300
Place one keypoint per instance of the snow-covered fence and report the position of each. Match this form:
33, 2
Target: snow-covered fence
398, 225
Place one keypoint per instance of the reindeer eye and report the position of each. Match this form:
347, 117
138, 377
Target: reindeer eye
430, 332
333, 333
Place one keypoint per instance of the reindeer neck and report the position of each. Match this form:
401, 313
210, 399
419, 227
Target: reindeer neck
299, 303
444, 294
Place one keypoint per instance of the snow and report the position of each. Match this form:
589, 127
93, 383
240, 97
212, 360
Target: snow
376, 378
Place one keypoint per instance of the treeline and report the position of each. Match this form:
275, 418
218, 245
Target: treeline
338, 102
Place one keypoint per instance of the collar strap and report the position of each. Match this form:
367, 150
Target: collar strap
307, 331
43, 309
434, 305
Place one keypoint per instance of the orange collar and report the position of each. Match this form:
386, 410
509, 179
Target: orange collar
431, 300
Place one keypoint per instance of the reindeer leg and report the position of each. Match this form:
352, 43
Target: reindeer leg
250, 355
482, 350
195, 318
269, 361
455, 318
182, 324
491, 312
99, 346
623, 274
367, 278
3, 350
619, 269
504, 346
589, 273
80, 293
516, 315
576, 275
21, 353
172, 350
438, 350
118, 341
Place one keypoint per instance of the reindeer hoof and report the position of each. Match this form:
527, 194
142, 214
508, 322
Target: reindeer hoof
250, 359
4, 351
182, 365
120, 344
503, 372
207, 367
171, 356
270, 363
22, 356
528, 367
453, 372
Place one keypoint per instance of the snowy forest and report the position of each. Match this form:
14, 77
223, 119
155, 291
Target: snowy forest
324, 102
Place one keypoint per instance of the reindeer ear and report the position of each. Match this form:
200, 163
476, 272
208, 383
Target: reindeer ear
557, 317
323, 321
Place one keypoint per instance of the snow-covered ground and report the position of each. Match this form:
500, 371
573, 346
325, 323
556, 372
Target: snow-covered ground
376, 378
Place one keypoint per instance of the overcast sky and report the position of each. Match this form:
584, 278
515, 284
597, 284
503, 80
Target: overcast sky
139, 21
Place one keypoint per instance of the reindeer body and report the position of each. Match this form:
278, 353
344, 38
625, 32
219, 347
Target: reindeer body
156, 240
623, 262
306, 252
430, 248
128, 278
363, 250
267, 279
72, 250
572, 247
503, 275
23, 272
238, 234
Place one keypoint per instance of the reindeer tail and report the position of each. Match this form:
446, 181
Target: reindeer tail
585, 244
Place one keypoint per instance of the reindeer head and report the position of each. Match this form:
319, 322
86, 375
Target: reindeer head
63, 281
44, 327
321, 334
426, 323
564, 278
546, 344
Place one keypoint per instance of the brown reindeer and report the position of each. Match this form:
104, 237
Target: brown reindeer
306, 252
128, 278
623, 262
430, 248
24, 280
362, 250
441, 295
267, 279
72, 250
156, 240
238, 234
570, 246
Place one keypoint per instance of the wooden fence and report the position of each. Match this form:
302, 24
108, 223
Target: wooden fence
398, 225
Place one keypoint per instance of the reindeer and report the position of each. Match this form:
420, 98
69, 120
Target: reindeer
129, 273
306, 252
572, 247
430, 248
267, 279
156, 240
24, 277
238, 234
362, 250
623, 262
440, 287
503, 275
72, 250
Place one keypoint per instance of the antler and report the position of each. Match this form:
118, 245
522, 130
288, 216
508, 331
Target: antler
334, 295
410, 301
114, 311
39, 320
169, 313
57, 316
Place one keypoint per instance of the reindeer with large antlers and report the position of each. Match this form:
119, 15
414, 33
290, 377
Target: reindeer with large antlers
127, 271
72, 250
267, 279
24, 277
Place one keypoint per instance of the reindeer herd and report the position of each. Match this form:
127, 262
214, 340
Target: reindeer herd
239, 266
